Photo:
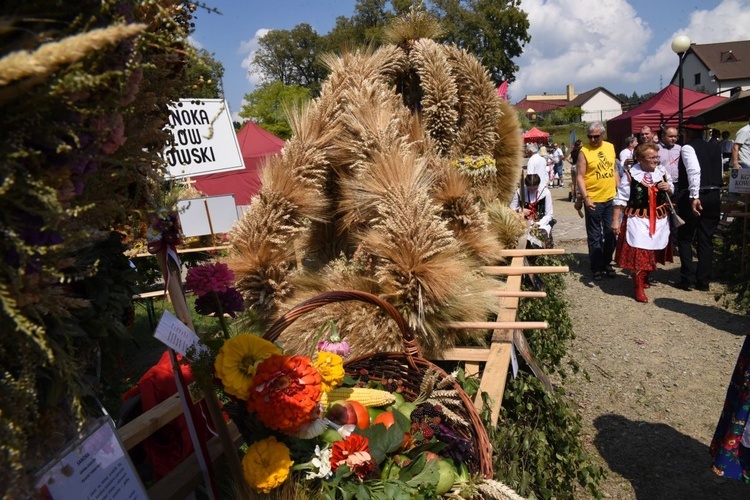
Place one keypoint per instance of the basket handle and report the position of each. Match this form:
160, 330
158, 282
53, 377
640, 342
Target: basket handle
411, 349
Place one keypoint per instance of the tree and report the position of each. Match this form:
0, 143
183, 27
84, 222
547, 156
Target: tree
290, 57
494, 30
203, 76
266, 105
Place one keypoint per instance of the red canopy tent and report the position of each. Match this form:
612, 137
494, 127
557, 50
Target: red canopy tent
662, 107
255, 144
535, 135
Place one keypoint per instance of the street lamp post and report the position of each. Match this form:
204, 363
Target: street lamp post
680, 45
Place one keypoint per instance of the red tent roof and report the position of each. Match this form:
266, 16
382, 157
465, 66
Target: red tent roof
661, 107
255, 144
534, 135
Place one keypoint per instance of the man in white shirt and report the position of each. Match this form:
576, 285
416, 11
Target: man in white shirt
537, 164
741, 148
557, 165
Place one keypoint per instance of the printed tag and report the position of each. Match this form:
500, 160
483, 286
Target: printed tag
175, 334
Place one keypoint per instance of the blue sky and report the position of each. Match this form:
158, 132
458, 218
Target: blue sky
622, 45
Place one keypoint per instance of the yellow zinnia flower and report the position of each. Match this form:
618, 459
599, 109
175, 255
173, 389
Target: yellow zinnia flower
266, 464
331, 368
237, 360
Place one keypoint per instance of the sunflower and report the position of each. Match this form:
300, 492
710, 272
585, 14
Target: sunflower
285, 392
266, 464
331, 368
238, 359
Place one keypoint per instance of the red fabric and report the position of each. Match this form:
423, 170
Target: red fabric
638, 259
662, 106
171, 444
652, 209
256, 145
535, 135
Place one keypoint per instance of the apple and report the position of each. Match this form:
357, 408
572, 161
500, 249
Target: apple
348, 412
374, 412
406, 409
447, 476
386, 418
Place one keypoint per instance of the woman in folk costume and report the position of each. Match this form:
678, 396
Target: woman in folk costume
643, 235
537, 209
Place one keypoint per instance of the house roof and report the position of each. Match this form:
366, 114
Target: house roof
728, 60
543, 105
540, 106
581, 99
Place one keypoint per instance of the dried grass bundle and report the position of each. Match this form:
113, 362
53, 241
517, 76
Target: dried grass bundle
440, 95
479, 114
464, 214
508, 153
506, 223
51, 56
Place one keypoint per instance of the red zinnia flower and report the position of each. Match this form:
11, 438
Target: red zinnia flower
354, 451
285, 392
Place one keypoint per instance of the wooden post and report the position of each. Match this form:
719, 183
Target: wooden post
210, 224
212, 403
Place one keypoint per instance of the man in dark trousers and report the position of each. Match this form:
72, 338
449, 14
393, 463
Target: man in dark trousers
699, 184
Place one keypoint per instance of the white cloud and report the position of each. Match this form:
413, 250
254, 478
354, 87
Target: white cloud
727, 22
591, 43
195, 43
584, 42
248, 48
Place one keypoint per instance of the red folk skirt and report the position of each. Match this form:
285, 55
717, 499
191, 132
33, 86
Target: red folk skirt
639, 259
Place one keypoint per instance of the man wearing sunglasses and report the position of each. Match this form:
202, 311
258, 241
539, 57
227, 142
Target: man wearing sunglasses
597, 184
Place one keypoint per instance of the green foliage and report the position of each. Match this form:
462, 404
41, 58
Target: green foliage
728, 266
203, 76
495, 31
550, 345
537, 443
266, 106
290, 57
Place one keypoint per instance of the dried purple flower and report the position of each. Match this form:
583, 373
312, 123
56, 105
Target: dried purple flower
209, 278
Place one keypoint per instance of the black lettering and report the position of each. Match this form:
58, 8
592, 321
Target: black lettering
194, 136
196, 155
183, 156
182, 137
174, 118
205, 120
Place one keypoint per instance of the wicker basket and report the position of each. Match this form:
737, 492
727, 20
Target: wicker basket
408, 366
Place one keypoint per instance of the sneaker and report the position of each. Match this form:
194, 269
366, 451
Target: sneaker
684, 285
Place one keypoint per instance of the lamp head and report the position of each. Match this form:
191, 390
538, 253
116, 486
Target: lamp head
680, 44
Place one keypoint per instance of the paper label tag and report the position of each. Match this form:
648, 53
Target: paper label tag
175, 334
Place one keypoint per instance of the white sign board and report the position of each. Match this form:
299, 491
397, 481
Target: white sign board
94, 468
210, 215
739, 180
203, 139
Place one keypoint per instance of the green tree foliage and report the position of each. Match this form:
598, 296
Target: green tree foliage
266, 104
494, 30
290, 57
203, 76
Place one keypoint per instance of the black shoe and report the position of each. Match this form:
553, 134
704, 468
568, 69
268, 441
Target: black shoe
703, 287
610, 272
684, 285
598, 276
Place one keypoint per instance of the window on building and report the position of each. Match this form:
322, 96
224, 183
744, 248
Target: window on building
697, 78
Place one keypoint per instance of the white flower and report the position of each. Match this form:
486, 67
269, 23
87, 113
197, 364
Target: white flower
321, 464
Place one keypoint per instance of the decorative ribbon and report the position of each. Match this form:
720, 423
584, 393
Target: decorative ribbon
648, 181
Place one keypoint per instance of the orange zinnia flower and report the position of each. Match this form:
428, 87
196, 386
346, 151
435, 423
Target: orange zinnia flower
285, 392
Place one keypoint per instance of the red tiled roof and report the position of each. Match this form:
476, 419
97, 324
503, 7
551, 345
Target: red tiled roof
728, 60
540, 106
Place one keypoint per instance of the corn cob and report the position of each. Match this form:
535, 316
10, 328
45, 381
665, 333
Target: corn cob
362, 395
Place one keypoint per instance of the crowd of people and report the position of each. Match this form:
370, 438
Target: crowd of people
633, 222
